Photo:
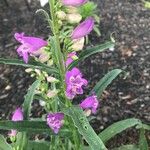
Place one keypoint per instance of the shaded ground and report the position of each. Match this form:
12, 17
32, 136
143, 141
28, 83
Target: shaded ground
125, 98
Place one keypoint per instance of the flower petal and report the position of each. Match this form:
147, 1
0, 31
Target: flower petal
83, 29
74, 2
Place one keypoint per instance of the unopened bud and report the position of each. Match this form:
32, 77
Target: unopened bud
52, 93
50, 62
61, 15
87, 112
71, 9
74, 18
38, 71
44, 58
52, 79
78, 44
42, 103
28, 70
39, 52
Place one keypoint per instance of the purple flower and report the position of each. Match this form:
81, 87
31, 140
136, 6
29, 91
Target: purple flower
55, 121
91, 103
74, 2
74, 83
71, 57
17, 116
83, 29
29, 45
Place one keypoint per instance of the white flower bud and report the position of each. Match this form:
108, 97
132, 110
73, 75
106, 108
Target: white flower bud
52, 93
42, 103
38, 71
71, 10
61, 15
39, 52
44, 57
50, 62
87, 112
52, 79
78, 44
74, 18
28, 70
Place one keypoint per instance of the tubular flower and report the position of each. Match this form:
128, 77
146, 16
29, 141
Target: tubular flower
74, 83
28, 45
17, 116
55, 121
71, 57
91, 103
83, 29
74, 2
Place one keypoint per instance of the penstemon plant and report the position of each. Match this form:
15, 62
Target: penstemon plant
53, 63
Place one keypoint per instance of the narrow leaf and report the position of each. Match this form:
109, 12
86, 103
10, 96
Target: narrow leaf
143, 145
31, 64
127, 147
30, 127
90, 51
29, 98
4, 145
84, 128
118, 127
38, 145
105, 81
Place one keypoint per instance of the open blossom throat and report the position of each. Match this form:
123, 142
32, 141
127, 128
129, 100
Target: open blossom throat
29, 45
74, 83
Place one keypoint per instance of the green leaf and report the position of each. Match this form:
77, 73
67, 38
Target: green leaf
29, 98
84, 128
147, 4
38, 145
105, 81
31, 64
4, 145
143, 145
90, 51
127, 147
118, 127
30, 127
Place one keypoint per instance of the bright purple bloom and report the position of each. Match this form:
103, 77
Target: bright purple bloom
71, 57
29, 45
55, 121
74, 83
83, 29
74, 2
17, 116
90, 102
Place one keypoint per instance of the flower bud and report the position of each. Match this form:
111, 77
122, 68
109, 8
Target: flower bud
38, 71
44, 57
74, 18
50, 62
78, 44
61, 15
88, 112
42, 103
52, 93
52, 79
71, 10
28, 70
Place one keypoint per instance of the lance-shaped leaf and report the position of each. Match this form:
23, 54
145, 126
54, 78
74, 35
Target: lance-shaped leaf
127, 147
29, 98
4, 145
143, 144
90, 51
118, 127
81, 122
105, 81
30, 64
30, 127
38, 145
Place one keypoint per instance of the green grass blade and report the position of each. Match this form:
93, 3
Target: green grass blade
118, 127
143, 144
4, 145
127, 147
105, 81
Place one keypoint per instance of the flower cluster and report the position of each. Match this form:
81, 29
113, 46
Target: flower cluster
75, 82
